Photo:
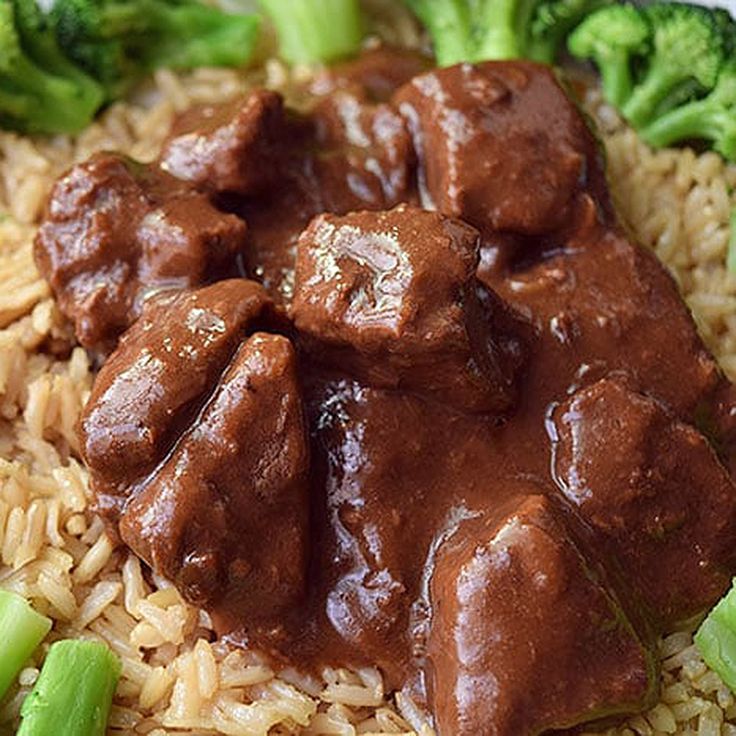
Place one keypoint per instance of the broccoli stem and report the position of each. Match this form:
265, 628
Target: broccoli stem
449, 25
616, 77
74, 691
21, 630
316, 30
502, 31
694, 120
644, 99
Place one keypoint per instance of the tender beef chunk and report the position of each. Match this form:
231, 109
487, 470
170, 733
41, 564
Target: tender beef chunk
364, 157
654, 493
376, 73
345, 155
207, 475
524, 635
115, 231
233, 147
500, 145
606, 304
392, 298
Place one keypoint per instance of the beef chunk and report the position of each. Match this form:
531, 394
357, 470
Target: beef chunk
604, 304
231, 147
182, 344
212, 458
227, 511
344, 155
654, 493
500, 145
376, 73
115, 231
364, 157
524, 635
392, 298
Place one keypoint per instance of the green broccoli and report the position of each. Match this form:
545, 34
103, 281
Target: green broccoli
687, 51
40, 91
119, 40
612, 37
316, 30
552, 23
474, 30
712, 118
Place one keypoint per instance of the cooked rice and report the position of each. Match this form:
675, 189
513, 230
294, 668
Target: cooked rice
53, 551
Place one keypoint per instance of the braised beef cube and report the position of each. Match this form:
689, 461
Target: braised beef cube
392, 298
600, 306
225, 516
154, 381
653, 492
364, 157
524, 636
500, 145
115, 231
196, 442
231, 147
376, 73
344, 155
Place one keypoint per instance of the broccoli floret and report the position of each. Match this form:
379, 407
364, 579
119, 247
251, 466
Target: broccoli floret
118, 40
552, 22
611, 37
687, 51
712, 118
316, 30
78, 26
40, 91
474, 30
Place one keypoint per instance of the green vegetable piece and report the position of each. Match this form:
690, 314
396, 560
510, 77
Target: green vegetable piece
316, 30
21, 630
39, 91
611, 37
687, 49
716, 637
476, 30
117, 41
712, 118
731, 257
552, 23
74, 691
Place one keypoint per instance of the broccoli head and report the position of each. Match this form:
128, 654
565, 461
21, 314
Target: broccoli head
687, 50
117, 41
40, 90
612, 37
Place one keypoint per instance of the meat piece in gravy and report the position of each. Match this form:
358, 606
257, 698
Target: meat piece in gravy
500, 146
232, 147
599, 304
376, 74
115, 231
654, 493
346, 154
392, 298
525, 637
212, 458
